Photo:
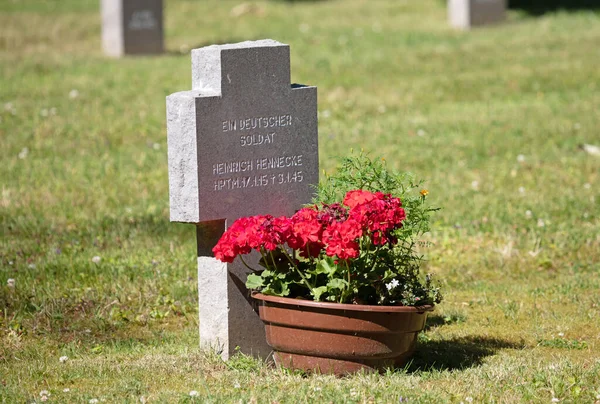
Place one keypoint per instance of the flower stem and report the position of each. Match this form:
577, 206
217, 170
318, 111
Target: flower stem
246, 265
273, 260
310, 287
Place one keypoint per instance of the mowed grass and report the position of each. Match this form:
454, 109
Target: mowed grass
492, 118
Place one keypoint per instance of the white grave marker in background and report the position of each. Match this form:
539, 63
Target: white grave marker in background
465, 14
132, 27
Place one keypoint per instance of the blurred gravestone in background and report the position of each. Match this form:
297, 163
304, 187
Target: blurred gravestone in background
132, 27
465, 14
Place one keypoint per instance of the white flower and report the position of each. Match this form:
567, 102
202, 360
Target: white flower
317, 389
522, 190
23, 153
194, 393
528, 214
44, 398
66, 390
31, 266
326, 114
469, 399
587, 185
44, 393
96, 259
421, 132
392, 284
44, 112
555, 400
589, 148
63, 359
475, 185
353, 393
93, 401
142, 399
541, 223
521, 158
73, 94
236, 385
10, 282
561, 334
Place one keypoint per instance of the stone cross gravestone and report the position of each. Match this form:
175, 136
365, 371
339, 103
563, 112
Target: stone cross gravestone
132, 27
242, 142
465, 14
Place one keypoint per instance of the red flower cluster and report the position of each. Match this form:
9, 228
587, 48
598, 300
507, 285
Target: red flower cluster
252, 233
378, 213
332, 229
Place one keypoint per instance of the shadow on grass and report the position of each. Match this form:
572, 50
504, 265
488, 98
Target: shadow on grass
541, 7
434, 321
110, 229
456, 353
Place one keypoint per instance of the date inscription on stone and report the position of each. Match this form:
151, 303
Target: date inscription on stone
250, 173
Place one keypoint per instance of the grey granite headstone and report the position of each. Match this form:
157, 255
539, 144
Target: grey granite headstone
465, 14
132, 27
242, 142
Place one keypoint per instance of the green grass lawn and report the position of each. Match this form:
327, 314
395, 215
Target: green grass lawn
492, 118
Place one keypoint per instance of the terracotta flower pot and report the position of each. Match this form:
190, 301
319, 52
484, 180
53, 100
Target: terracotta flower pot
339, 338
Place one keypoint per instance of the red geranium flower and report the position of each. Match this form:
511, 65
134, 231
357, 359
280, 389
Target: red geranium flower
358, 197
341, 239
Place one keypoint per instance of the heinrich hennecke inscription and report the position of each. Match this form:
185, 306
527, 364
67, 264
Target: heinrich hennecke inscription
132, 27
242, 142
465, 14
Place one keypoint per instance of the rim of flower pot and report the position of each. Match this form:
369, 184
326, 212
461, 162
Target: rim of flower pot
342, 306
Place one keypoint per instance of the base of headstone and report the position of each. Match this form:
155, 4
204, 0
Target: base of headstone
465, 14
227, 320
132, 27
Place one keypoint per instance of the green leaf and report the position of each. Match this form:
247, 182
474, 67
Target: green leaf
389, 275
337, 283
254, 281
266, 274
276, 288
317, 292
326, 266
